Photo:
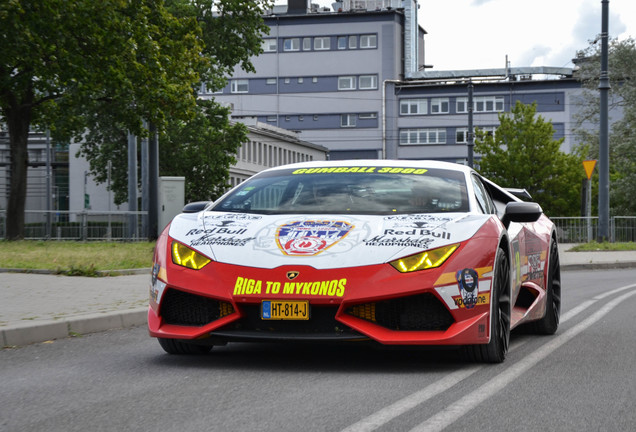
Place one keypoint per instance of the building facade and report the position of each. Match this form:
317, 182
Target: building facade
354, 80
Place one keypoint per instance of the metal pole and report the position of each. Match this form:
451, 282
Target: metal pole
109, 232
471, 135
588, 209
132, 185
48, 184
153, 189
604, 87
144, 184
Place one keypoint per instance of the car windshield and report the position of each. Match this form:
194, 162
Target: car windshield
349, 190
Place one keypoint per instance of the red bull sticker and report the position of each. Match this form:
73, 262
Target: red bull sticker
308, 238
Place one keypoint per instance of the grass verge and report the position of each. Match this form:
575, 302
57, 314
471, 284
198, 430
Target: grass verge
75, 258
604, 246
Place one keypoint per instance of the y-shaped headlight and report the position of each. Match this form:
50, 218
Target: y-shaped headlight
186, 257
424, 260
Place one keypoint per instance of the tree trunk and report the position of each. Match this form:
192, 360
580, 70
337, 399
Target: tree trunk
18, 121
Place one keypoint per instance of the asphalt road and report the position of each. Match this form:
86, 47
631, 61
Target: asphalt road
581, 379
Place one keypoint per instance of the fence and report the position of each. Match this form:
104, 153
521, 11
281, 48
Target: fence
583, 229
81, 225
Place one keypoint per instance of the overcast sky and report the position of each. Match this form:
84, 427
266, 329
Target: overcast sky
478, 34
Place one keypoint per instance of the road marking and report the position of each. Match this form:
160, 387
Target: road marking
459, 408
385, 415
394, 410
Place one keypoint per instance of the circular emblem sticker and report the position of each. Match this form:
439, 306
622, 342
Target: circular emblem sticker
307, 238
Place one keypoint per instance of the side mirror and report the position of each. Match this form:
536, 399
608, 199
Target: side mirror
521, 212
195, 207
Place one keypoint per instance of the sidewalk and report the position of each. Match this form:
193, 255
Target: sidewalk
41, 307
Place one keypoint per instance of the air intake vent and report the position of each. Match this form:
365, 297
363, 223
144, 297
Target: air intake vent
423, 312
181, 308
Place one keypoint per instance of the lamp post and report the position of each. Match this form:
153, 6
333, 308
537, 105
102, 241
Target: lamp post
603, 171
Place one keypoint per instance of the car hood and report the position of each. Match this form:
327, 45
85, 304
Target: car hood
321, 241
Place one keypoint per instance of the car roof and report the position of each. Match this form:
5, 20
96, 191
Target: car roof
378, 162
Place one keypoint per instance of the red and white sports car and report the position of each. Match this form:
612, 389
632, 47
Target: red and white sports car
397, 252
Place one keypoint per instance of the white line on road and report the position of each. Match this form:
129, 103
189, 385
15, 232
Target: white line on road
459, 408
392, 411
385, 415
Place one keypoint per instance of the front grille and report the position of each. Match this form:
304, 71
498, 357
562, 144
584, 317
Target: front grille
423, 312
182, 308
321, 322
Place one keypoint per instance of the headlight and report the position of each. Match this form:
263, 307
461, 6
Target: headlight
186, 257
424, 260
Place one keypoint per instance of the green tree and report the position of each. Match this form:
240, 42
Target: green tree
622, 116
202, 147
130, 58
524, 154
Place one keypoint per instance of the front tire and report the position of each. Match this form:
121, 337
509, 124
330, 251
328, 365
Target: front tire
175, 346
495, 351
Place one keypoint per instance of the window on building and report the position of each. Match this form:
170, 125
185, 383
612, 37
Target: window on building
366, 82
348, 120
240, 86
461, 135
322, 43
300, 80
269, 45
367, 116
271, 81
413, 106
481, 104
342, 42
353, 42
291, 44
368, 41
439, 106
346, 83
271, 118
287, 80
422, 136
488, 130
306, 44
314, 79
461, 105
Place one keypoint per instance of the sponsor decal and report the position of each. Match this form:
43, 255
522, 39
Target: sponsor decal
419, 220
382, 240
156, 284
155, 273
380, 170
481, 299
311, 237
468, 281
216, 230
419, 232
330, 288
214, 240
534, 266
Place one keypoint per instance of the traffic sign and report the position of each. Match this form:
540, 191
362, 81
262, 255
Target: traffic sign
589, 165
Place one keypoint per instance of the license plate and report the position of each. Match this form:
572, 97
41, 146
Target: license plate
285, 310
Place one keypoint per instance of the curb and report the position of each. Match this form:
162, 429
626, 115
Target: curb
99, 273
42, 331
600, 266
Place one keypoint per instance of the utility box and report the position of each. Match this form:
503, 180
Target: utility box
171, 199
